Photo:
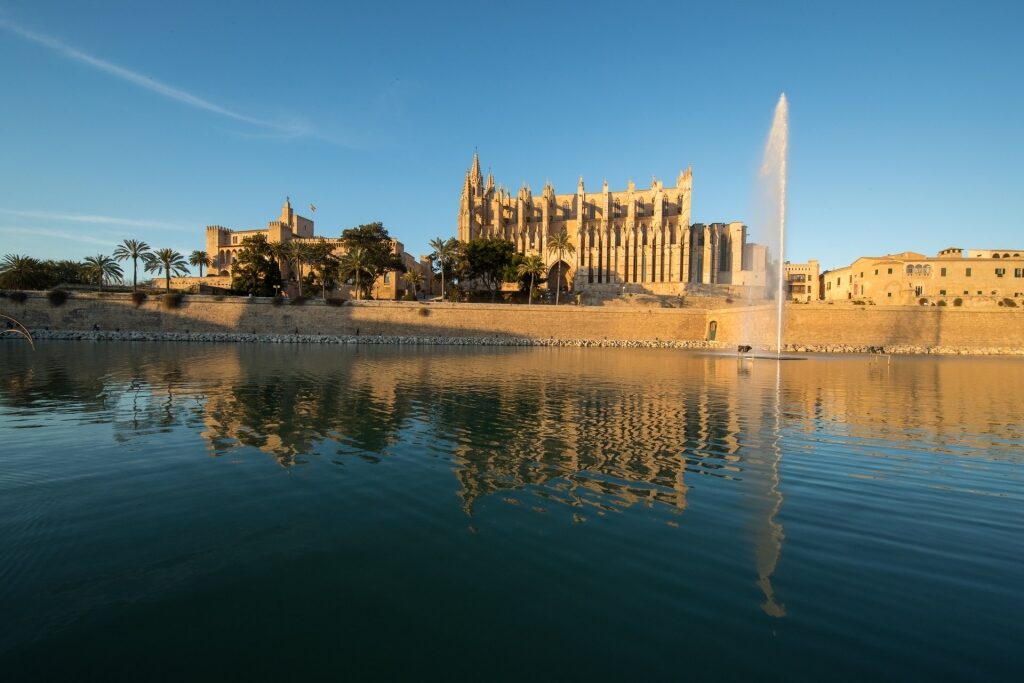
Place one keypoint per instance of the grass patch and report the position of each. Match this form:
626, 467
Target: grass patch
335, 301
423, 312
138, 298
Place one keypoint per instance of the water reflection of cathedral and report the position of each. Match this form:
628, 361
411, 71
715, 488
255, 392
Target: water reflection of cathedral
600, 431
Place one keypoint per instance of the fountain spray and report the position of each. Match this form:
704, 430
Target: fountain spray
774, 164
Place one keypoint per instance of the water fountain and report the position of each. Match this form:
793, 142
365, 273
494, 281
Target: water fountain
768, 228
773, 179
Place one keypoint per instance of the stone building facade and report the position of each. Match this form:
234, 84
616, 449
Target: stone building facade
980, 276
801, 280
223, 243
636, 239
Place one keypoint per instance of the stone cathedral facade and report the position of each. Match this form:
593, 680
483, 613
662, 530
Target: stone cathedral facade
635, 240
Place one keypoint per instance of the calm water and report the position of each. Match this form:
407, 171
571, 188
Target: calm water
223, 511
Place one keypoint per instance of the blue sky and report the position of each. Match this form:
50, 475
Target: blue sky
152, 120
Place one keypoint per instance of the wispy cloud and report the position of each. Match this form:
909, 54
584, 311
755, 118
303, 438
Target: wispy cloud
99, 220
290, 129
57, 234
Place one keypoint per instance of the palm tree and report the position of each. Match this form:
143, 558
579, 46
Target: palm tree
199, 258
356, 261
414, 279
445, 249
560, 245
533, 266
168, 261
321, 257
19, 271
134, 250
102, 268
296, 253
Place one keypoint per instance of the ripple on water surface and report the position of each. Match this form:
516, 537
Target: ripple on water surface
275, 510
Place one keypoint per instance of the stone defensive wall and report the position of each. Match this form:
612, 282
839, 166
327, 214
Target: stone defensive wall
809, 327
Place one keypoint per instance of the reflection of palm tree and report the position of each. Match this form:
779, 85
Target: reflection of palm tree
355, 262
533, 266
134, 250
560, 245
103, 268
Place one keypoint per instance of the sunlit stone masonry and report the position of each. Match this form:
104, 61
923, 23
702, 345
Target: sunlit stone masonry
639, 239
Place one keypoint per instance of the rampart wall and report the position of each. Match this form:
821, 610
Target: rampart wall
811, 326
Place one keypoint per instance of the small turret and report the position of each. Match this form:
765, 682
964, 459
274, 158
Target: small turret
286, 211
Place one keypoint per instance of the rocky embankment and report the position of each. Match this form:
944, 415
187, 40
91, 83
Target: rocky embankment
419, 340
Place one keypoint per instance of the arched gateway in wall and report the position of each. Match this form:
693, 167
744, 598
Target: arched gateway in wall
561, 281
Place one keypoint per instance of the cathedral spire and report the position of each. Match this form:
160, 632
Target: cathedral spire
475, 176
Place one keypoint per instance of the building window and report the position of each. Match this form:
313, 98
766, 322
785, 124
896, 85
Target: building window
968, 273
942, 272
862, 273
890, 271
387, 278
1018, 272
942, 292
889, 294
910, 270
1000, 272
917, 290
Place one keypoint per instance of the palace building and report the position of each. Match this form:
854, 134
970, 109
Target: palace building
223, 243
981, 276
636, 239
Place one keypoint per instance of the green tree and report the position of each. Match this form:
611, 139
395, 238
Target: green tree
65, 271
199, 258
168, 261
444, 252
414, 279
486, 259
325, 264
296, 254
102, 269
559, 246
134, 250
355, 264
531, 266
379, 246
18, 271
255, 268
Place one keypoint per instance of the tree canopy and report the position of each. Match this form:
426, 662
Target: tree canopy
255, 269
380, 256
487, 259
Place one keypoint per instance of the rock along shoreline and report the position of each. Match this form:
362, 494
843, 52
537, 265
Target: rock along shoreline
244, 338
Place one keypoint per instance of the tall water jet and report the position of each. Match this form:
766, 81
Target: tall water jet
773, 182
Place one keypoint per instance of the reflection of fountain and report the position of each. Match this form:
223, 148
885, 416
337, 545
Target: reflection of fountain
769, 550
